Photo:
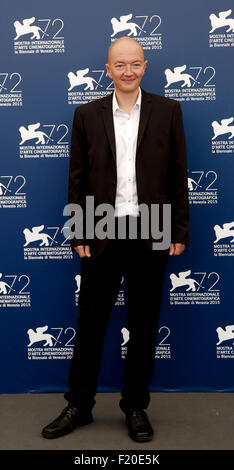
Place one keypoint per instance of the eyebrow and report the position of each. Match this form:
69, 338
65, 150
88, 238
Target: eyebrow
123, 62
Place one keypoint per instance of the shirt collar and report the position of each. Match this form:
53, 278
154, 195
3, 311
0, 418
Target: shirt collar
115, 105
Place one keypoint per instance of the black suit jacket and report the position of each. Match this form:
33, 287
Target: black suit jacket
161, 164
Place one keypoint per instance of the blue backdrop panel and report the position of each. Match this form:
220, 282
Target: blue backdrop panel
53, 59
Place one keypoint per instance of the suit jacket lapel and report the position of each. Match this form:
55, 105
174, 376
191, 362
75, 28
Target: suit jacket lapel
107, 115
144, 116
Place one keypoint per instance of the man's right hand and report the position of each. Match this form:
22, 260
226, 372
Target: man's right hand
83, 250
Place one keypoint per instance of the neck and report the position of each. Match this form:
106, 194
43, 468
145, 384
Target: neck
126, 101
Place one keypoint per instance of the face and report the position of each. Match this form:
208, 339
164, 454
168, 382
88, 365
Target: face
126, 66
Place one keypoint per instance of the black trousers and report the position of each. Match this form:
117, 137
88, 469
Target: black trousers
100, 281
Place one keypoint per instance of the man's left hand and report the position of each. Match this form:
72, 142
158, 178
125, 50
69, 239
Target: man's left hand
176, 248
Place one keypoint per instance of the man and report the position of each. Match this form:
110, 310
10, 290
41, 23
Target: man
127, 149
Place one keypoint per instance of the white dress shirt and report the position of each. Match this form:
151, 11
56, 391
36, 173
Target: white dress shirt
126, 131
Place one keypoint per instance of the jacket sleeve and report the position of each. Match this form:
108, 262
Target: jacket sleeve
78, 171
179, 180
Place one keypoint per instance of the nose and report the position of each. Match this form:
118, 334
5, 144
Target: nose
128, 70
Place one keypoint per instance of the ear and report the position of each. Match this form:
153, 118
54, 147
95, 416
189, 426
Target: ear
108, 70
145, 64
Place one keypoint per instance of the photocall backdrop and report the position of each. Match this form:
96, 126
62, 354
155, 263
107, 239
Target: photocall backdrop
53, 57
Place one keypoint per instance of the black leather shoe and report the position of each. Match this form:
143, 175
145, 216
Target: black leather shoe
69, 419
139, 427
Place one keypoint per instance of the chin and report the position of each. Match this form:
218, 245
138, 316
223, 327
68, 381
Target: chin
130, 87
